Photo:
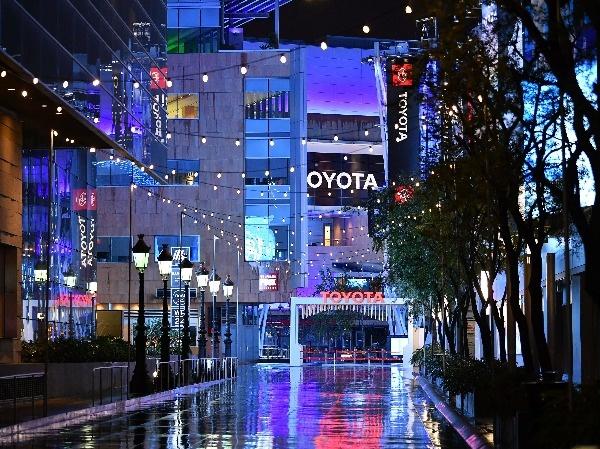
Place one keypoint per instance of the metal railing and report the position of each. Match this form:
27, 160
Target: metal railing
21, 388
123, 387
367, 356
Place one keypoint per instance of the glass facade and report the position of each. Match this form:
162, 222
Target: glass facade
191, 29
98, 56
73, 227
267, 169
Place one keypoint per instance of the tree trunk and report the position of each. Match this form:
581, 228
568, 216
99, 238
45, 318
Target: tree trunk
537, 316
501, 331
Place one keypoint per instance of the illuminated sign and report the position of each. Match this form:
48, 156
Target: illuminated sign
79, 300
87, 235
84, 199
402, 74
342, 180
402, 117
403, 194
352, 297
268, 282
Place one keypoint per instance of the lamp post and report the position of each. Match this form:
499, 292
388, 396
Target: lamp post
214, 285
165, 264
140, 381
93, 289
40, 276
202, 279
70, 280
187, 270
227, 291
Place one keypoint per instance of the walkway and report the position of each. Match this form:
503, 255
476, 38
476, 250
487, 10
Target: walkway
273, 406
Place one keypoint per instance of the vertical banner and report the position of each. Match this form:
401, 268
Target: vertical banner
158, 114
177, 289
402, 118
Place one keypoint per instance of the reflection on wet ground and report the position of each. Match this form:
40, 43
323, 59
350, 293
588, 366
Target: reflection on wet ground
274, 406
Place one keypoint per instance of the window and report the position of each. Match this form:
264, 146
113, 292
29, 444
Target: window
182, 106
190, 245
113, 249
327, 235
266, 98
183, 171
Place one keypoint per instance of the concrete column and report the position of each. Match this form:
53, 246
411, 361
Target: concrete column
11, 237
576, 327
589, 321
295, 347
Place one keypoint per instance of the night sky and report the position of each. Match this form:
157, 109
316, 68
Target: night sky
311, 20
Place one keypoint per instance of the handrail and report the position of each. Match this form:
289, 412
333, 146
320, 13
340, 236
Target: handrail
101, 369
16, 382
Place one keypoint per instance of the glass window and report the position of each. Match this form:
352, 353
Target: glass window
190, 245
113, 249
183, 171
182, 106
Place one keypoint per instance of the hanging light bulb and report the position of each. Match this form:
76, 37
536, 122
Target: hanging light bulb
96, 82
272, 142
292, 169
24, 93
169, 82
205, 78
366, 132
237, 142
283, 58
65, 84
243, 69
203, 140
303, 141
336, 138
323, 45
3, 73
35, 80
366, 29
408, 9
96, 119
136, 85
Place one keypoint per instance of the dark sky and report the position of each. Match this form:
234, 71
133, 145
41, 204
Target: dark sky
312, 20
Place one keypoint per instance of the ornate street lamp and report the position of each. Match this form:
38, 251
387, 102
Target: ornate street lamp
213, 285
227, 292
93, 289
70, 280
187, 271
165, 265
202, 276
140, 381
40, 276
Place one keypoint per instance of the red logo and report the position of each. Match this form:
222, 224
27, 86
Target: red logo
402, 74
84, 199
159, 78
403, 194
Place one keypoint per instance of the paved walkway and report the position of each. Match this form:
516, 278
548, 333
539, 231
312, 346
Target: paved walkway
274, 406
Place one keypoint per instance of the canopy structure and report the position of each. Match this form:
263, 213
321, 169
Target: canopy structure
372, 305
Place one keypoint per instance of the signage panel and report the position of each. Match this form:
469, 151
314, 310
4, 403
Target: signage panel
268, 282
402, 118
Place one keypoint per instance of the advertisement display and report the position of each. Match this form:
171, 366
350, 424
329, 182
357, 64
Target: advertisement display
402, 118
340, 179
158, 116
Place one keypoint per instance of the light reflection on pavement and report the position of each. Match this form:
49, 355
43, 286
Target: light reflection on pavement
274, 406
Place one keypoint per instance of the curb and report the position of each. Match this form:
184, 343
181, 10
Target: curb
467, 432
27, 430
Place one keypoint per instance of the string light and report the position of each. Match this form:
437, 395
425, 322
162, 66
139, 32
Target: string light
65, 84
366, 29
203, 139
323, 45
205, 78
283, 59
136, 85
35, 80
243, 69
96, 82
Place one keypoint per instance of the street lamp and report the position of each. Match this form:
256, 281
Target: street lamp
140, 381
213, 286
93, 289
202, 278
70, 279
165, 264
187, 270
228, 292
40, 276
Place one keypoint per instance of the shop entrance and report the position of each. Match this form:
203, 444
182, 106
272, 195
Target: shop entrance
367, 304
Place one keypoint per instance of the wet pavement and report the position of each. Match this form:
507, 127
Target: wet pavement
274, 406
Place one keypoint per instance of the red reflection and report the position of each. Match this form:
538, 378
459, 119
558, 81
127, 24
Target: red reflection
339, 430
